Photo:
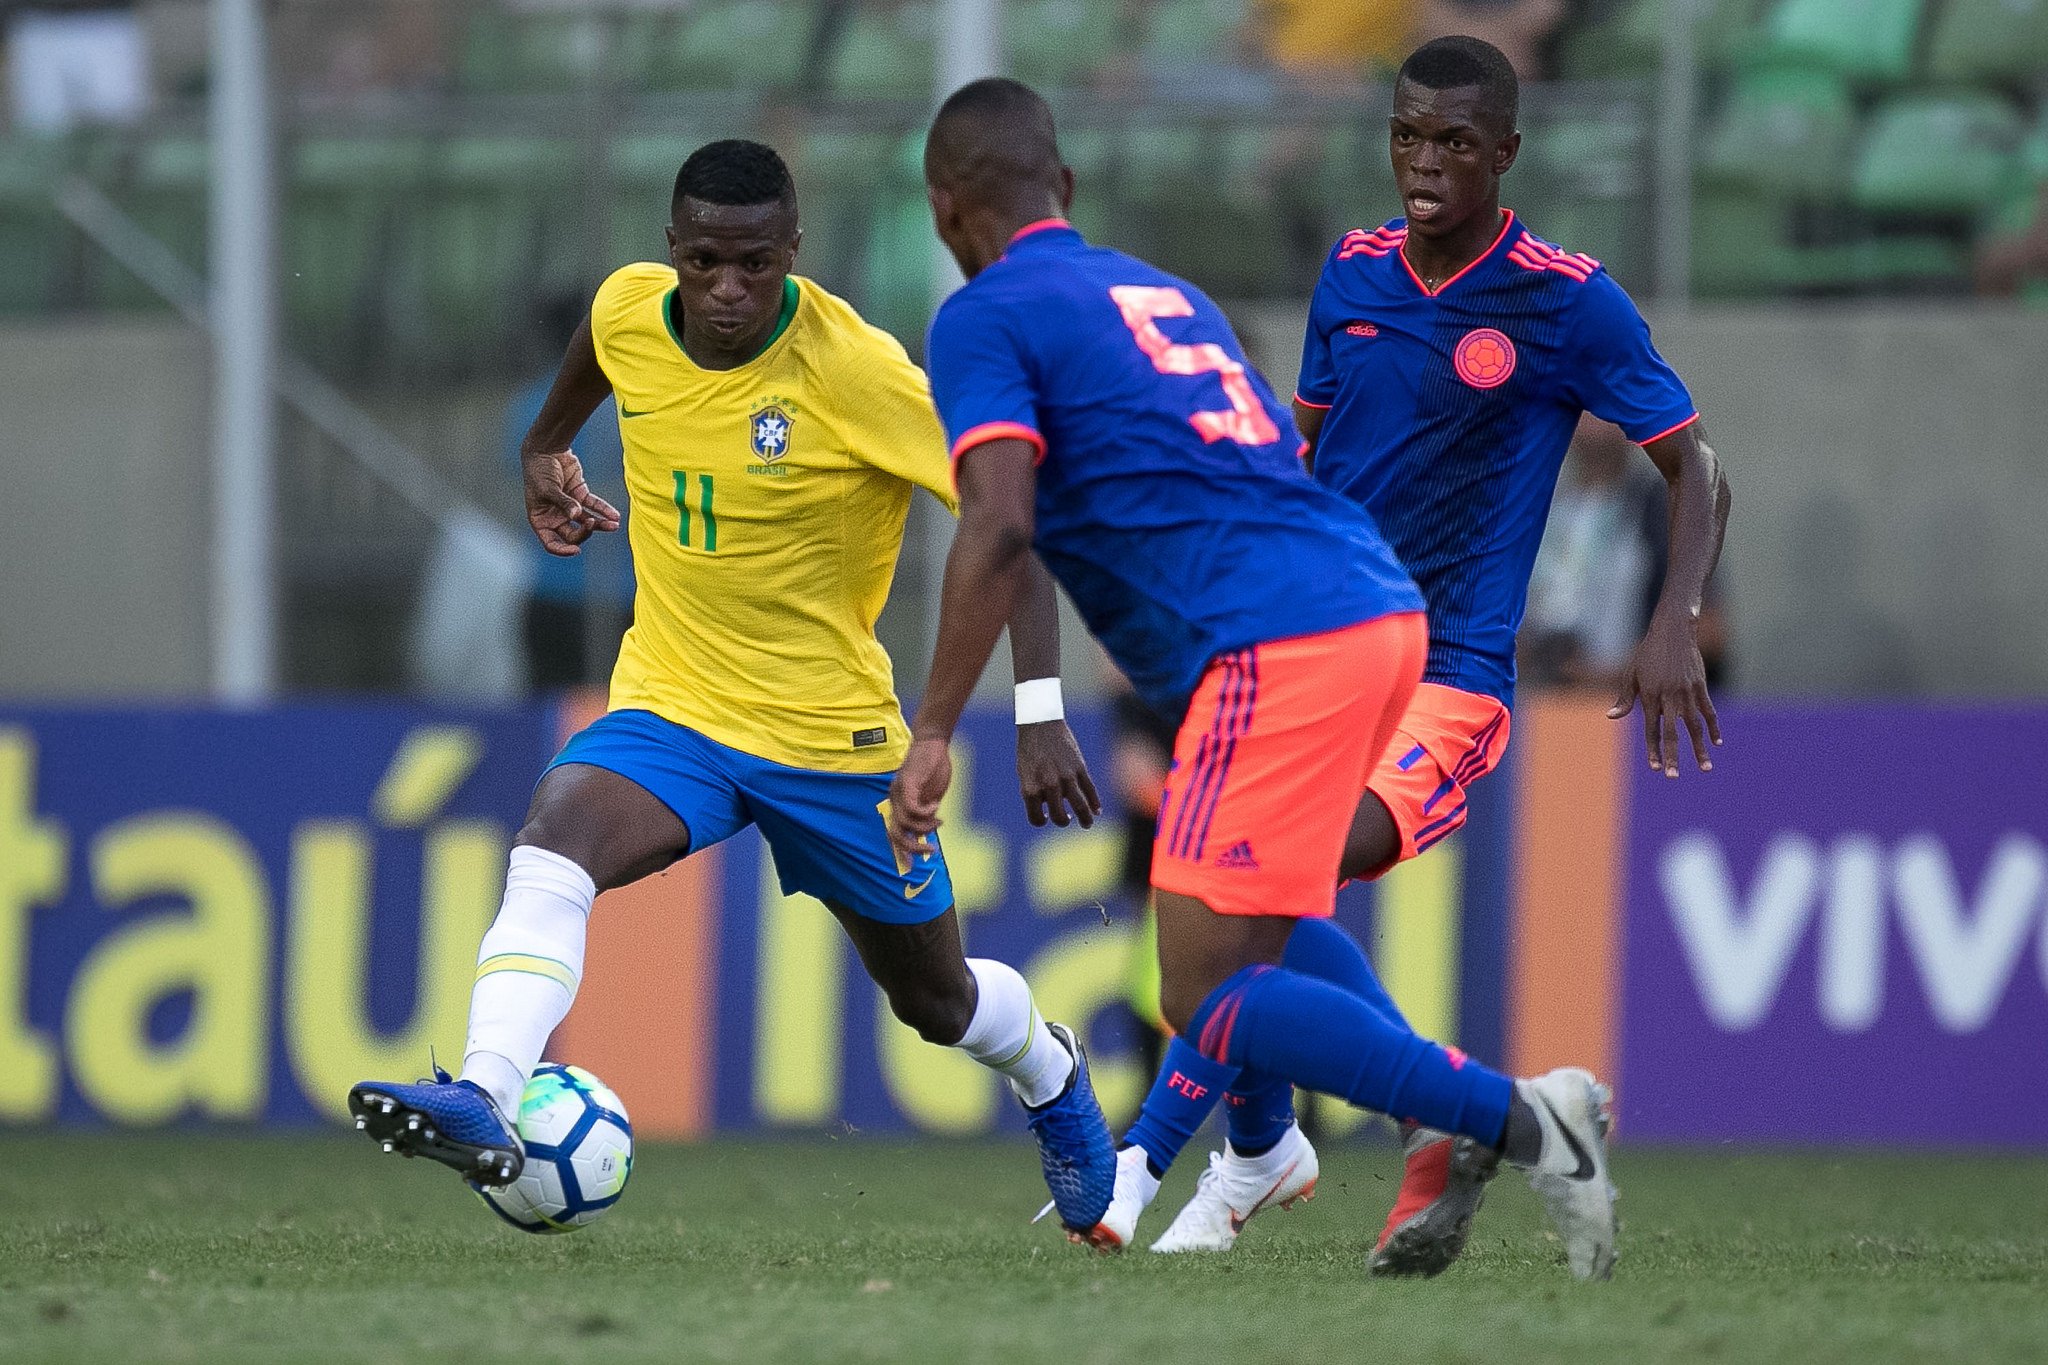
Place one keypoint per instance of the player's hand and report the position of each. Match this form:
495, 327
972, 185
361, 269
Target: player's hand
1054, 777
915, 795
1669, 678
559, 504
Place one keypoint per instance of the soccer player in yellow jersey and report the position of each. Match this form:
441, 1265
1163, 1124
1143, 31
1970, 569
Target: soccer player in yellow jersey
772, 442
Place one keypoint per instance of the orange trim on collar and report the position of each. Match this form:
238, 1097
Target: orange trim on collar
1507, 223
1040, 226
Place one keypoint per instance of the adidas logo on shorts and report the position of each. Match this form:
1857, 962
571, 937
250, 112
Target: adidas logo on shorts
1238, 854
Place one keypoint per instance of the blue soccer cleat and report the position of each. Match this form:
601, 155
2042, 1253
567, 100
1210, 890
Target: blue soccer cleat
453, 1122
1077, 1152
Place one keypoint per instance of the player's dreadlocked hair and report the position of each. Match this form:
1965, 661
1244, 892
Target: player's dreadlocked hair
1459, 61
735, 171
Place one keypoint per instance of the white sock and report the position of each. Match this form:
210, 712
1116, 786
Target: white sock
1007, 1035
1285, 1151
526, 972
1134, 1172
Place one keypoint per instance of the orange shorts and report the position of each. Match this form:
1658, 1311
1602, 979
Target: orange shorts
1448, 740
1277, 740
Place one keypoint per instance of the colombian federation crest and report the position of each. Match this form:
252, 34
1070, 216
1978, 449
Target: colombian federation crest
768, 432
1484, 358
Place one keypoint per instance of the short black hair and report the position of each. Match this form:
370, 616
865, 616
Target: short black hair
994, 138
735, 171
1459, 61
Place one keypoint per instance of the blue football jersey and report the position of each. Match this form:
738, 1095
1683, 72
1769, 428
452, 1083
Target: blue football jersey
1172, 504
1450, 411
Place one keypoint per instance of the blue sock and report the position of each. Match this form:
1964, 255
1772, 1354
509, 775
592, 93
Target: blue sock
1285, 1023
1186, 1089
1260, 1107
1320, 948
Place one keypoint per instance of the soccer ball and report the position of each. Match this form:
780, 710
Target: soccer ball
579, 1152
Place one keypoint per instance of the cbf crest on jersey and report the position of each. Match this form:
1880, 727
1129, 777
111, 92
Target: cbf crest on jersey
769, 430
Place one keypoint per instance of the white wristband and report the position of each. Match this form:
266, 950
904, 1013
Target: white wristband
1039, 701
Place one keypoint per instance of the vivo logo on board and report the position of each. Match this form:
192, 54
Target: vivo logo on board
1967, 937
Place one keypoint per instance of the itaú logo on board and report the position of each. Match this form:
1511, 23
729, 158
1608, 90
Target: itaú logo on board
1966, 942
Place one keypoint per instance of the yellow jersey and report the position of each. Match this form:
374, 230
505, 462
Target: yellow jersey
766, 510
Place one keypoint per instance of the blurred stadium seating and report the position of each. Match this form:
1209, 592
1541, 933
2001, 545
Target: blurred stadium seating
1847, 147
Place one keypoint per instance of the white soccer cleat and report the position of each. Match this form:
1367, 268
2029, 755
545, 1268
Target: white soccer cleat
1136, 1187
1571, 1170
1236, 1187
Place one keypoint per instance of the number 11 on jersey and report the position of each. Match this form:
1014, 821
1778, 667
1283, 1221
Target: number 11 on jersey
705, 514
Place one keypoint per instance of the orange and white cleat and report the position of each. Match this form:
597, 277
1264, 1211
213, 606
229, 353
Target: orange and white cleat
1235, 1188
1442, 1187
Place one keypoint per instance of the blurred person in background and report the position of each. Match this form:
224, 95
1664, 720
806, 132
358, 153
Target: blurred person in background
1520, 29
1320, 43
344, 51
1601, 565
573, 603
1140, 761
2012, 259
75, 62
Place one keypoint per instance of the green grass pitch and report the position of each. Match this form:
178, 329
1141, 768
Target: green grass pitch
230, 1248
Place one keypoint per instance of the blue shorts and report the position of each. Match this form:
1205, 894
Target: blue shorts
826, 830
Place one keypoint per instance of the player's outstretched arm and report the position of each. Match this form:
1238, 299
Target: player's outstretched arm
985, 571
1051, 773
1667, 675
559, 504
